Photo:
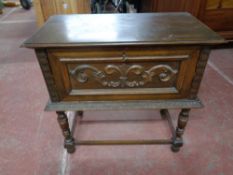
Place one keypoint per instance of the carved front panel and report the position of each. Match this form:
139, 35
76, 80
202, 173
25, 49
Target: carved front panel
122, 75
111, 74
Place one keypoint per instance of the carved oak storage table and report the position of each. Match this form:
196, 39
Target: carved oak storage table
123, 61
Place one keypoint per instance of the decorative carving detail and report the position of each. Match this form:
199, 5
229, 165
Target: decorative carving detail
47, 73
200, 68
164, 73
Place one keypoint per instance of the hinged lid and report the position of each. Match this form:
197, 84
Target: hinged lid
123, 29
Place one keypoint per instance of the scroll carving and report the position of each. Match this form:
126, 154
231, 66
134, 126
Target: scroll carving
163, 72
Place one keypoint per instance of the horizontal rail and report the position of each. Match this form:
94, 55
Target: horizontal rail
123, 142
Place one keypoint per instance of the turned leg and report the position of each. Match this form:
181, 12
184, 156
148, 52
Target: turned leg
69, 143
182, 121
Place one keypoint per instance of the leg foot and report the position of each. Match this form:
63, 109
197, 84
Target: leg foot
70, 146
177, 144
175, 149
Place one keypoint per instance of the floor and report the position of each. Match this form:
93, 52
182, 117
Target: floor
31, 141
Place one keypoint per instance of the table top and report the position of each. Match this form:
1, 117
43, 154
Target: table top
122, 29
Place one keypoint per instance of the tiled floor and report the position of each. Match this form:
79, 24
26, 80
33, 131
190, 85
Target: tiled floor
31, 141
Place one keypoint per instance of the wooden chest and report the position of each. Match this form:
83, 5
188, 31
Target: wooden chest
121, 61
123, 56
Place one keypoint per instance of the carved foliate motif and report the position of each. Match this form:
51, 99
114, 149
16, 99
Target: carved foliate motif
163, 72
48, 75
200, 68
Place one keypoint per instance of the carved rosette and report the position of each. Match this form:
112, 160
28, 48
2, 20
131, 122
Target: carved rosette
163, 72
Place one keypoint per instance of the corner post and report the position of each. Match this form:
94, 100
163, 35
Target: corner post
182, 122
69, 143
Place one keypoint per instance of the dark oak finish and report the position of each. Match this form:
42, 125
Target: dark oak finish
122, 29
123, 61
